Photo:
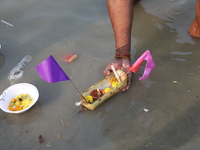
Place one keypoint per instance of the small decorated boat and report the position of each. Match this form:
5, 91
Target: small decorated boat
104, 89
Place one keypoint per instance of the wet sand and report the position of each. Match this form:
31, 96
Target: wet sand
43, 28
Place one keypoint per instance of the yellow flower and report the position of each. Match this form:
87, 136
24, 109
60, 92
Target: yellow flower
89, 99
107, 90
114, 84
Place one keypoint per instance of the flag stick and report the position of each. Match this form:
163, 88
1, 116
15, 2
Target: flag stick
77, 90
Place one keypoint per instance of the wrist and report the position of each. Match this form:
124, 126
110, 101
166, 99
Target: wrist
123, 56
123, 52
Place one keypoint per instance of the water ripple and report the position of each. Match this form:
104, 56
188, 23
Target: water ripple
181, 53
177, 9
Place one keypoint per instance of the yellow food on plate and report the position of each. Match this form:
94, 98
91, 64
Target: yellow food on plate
89, 99
114, 84
107, 90
20, 102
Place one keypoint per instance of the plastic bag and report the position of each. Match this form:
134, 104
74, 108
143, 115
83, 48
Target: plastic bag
17, 73
195, 26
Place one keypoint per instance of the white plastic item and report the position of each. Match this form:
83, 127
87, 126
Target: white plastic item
13, 91
17, 73
8, 24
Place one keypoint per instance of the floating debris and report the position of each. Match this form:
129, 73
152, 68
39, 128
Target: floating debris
62, 122
149, 144
176, 82
41, 139
78, 103
58, 135
146, 110
49, 145
71, 58
9, 24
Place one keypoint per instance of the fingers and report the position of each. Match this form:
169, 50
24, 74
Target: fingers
123, 64
128, 82
117, 65
126, 64
107, 70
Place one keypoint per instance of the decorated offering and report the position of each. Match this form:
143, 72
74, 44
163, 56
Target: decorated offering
103, 90
114, 82
21, 102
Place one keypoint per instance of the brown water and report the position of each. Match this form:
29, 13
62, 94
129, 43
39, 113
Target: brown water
42, 28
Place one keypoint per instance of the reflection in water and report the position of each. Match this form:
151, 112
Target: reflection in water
159, 26
178, 59
180, 53
177, 14
24, 118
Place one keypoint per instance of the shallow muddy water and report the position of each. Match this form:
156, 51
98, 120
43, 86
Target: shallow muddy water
159, 113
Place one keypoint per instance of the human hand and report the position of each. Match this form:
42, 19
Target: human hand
120, 63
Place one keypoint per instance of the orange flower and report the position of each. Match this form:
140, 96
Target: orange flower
114, 79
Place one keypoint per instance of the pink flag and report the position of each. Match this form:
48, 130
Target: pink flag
50, 71
149, 65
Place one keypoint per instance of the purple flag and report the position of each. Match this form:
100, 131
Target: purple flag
50, 71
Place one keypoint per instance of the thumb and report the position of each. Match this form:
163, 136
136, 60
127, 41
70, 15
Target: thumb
107, 71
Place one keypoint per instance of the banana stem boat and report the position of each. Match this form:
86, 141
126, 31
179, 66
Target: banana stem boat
88, 99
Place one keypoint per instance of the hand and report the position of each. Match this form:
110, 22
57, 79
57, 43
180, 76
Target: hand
120, 63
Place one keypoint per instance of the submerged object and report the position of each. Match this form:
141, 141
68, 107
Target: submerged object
17, 73
101, 87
